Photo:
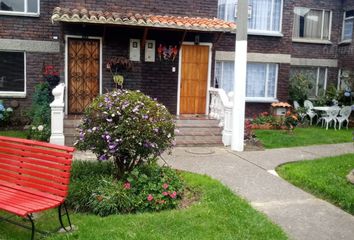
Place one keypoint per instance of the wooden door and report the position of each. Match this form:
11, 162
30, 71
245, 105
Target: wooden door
194, 79
83, 73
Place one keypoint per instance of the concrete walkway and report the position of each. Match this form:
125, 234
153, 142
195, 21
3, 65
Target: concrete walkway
251, 175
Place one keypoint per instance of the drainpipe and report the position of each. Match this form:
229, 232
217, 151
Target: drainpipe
239, 101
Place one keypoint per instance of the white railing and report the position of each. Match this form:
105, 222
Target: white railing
221, 109
57, 120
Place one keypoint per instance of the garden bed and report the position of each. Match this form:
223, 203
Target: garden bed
218, 214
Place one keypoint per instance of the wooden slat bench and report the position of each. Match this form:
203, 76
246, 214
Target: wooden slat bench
34, 176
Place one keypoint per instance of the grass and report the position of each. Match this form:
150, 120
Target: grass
14, 133
325, 178
303, 137
219, 215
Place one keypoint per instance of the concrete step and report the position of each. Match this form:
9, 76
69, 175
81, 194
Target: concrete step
202, 131
70, 140
71, 123
199, 143
198, 138
70, 131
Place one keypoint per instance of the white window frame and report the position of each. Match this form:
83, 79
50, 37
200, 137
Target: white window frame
262, 32
266, 98
13, 94
313, 40
343, 29
25, 12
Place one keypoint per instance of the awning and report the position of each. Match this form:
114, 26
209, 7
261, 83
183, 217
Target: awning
142, 20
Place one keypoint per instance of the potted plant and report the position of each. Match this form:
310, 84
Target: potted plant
118, 66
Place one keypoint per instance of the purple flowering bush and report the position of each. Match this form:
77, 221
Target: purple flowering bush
128, 127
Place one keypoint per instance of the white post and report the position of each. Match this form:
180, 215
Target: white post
238, 113
57, 122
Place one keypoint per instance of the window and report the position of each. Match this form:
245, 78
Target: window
348, 23
12, 73
316, 75
265, 14
312, 24
261, 79
19, 7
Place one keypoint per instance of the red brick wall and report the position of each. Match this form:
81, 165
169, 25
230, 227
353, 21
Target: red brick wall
200, 8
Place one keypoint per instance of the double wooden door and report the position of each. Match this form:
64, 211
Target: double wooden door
83, 73
194, 79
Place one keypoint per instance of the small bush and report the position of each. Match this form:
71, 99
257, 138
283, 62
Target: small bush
5, 115
40, 132
128, 127
300, 87
148, 187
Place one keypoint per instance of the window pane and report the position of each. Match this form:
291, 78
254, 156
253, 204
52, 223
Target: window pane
349, 13
321, 81
12, 71
256, 78
348, 29
221, 9
326, 23
32, 6
224, 74
310, 73
272, 75
261, 15
276, 16
313, 24
12, 5
230, 6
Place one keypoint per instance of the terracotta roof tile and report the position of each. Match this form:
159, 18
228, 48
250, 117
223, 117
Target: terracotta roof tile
281, 104
106, 17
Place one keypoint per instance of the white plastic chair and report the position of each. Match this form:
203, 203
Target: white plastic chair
344, 116
301, 115
309, 112
332, 115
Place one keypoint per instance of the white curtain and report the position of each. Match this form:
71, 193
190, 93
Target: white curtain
348, 29
313, 24
256, 79
265, 15
224, 75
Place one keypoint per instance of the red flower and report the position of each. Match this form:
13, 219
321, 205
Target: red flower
150, 198
127, 185
165, 186
165, 193
173, 195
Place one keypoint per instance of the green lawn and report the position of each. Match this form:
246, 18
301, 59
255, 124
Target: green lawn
14, 133
219, 215
325, 178
303, 137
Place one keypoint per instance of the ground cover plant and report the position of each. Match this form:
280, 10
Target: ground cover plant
148, 187
219, 214
302, 136
325, 178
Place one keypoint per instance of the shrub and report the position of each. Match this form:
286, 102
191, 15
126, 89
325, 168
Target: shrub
128, 127
290, 120
299, 88
39, 113
5, 115
40, 132
148, 187
265, 118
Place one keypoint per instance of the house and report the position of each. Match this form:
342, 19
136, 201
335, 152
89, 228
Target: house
80, 37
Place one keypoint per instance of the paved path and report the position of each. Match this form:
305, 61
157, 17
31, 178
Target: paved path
249, 174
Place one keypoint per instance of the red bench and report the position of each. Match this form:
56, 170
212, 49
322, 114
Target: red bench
34, 176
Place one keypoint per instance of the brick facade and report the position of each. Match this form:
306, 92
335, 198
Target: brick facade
157, 79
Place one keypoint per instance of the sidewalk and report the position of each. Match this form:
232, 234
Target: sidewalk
251, 175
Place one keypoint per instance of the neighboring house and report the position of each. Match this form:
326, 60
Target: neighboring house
79, 37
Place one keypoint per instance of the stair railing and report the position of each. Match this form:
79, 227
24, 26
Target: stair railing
57, 115
221, 109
